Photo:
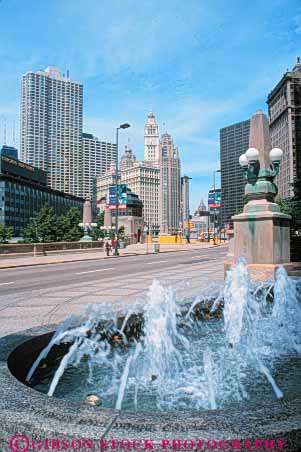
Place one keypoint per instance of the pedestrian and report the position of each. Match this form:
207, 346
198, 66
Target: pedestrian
108, 247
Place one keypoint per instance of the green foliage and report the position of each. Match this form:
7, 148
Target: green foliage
291, 207
121, 233
284, 206
68, 227
99, 220
30, 232
42, 228
6, 233
47, 227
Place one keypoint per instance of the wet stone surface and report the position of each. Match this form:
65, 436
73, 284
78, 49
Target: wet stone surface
26, 411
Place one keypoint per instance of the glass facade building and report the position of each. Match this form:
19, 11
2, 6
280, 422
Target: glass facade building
234, 141
10, 151
23, 192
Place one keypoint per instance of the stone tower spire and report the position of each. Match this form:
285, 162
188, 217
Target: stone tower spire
151, 139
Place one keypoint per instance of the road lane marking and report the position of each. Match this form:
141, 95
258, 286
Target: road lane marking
6, 283
156, 262
200, 255
94, 271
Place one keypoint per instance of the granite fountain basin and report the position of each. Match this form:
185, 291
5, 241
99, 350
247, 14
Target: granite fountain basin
268, 424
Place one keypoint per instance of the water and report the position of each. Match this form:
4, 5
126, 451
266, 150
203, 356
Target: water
248, 351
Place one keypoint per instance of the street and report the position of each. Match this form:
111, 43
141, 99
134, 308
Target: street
46, 294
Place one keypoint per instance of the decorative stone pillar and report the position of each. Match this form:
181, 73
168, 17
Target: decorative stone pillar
87, 221
261, 232
107, 218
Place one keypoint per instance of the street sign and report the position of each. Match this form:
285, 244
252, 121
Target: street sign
214, 199
122, 196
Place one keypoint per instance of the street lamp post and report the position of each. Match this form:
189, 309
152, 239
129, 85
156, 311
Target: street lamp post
122, 126
214, 212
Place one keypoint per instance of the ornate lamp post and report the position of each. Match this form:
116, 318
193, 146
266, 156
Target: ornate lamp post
261, 232
260, 183
122, 126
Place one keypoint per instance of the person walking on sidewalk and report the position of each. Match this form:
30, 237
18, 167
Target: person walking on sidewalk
108, 247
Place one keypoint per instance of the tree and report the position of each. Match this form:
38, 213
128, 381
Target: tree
284, 206
291, 207
6, 233
43, 228
121, 232
69, 229
99, 220
30, 232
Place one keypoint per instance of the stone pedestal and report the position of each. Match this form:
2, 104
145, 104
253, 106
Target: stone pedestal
262, 236
107, 219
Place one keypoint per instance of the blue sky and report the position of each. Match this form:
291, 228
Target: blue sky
199, 64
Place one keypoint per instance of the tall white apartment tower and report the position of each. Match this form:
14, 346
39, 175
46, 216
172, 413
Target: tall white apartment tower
170, 186
151, 139
98, 157
51, 127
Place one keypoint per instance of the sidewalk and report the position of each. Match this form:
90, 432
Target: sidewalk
131, 250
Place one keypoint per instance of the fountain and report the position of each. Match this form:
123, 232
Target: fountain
223, 366
170, 359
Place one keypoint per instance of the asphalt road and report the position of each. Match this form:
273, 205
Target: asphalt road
20, 280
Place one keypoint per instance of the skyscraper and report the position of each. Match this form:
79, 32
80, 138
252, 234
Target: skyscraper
234, 141
284, 103
51, 127
170, 186
98, 157
185, 211
151, 139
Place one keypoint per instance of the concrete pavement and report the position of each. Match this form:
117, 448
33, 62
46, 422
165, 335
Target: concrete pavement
41, 295
55, 257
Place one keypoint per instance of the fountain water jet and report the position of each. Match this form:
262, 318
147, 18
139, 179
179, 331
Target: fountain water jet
181, 364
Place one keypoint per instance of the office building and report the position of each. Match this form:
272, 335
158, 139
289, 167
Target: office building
51, 128
142, 178
185, 210
128, 159
24, 191
9, 151
234, 141
284, 103
170, 186
98, 157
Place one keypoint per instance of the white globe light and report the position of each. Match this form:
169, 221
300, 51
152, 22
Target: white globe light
276, 155
243, 161
252, 155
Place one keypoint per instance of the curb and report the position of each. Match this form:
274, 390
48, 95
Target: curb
97, 258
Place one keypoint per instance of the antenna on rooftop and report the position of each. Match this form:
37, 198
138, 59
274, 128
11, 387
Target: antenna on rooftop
4, 130
14, 133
